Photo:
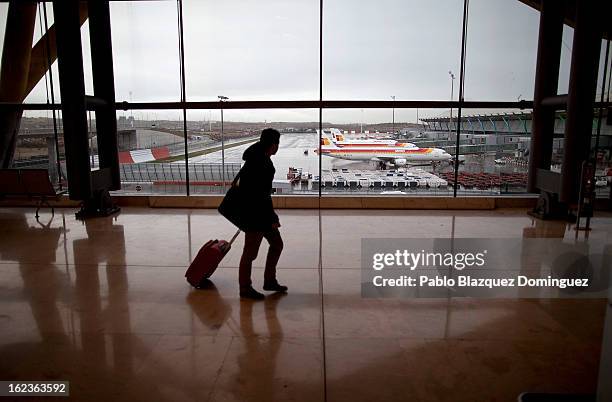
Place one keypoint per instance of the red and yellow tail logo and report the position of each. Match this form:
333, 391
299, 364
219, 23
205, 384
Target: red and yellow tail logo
325, 141
339, 138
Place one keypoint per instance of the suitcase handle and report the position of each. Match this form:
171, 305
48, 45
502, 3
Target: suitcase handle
208, 243
234, 237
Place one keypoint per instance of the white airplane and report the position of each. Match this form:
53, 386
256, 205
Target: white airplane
338, 138
398, 156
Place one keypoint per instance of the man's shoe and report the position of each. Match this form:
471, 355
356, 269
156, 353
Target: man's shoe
274, 287
250, 293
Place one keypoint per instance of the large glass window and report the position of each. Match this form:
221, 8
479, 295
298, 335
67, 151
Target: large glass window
211, 148
501, 51
567, 41
265, 52
38, 148
151, 152
3, 18
494, 151
42, 90
603, 153
145, 51
87, 68
375, 50
385, 51
384, 152
600, 75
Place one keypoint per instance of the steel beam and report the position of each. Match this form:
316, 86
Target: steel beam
546, 80
72, 87
104, 88
582, 87
39, 64
16, 55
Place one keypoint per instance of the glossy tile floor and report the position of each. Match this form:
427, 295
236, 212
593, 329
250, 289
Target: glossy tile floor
104, 305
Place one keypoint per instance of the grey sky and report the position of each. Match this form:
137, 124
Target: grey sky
269, 50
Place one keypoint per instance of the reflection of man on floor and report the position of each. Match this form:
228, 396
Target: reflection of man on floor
257, 365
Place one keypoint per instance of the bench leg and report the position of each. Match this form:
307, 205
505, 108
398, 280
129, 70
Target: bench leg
41, 203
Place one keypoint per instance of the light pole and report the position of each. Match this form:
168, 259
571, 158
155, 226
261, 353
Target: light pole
131, 111
451, 109
361, 121
221, 99
393, 123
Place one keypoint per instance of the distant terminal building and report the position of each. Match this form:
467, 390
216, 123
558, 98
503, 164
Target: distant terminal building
504, 128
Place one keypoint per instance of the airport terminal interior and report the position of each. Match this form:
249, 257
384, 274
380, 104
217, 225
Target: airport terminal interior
469, 126
105, 305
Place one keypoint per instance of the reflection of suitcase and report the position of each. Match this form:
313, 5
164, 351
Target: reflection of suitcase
207, 260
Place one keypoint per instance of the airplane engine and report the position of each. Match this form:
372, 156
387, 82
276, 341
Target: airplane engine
399, 162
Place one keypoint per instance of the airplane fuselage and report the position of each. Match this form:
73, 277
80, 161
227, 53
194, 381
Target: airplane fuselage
389, 154
378, 150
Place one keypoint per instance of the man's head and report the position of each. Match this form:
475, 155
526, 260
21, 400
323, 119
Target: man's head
270, 139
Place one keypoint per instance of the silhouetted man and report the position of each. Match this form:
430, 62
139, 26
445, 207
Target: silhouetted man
256, 184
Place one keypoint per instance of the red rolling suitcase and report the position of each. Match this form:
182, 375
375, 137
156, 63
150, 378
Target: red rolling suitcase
207, 260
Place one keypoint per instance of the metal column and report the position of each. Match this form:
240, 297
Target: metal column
104, 88
583, 82
547, 77
72, 87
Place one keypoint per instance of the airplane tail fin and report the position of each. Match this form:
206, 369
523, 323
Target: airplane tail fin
336, 135
326, 142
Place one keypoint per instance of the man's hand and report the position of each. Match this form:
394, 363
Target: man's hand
276, 225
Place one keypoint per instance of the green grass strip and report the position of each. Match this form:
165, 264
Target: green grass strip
205, 151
